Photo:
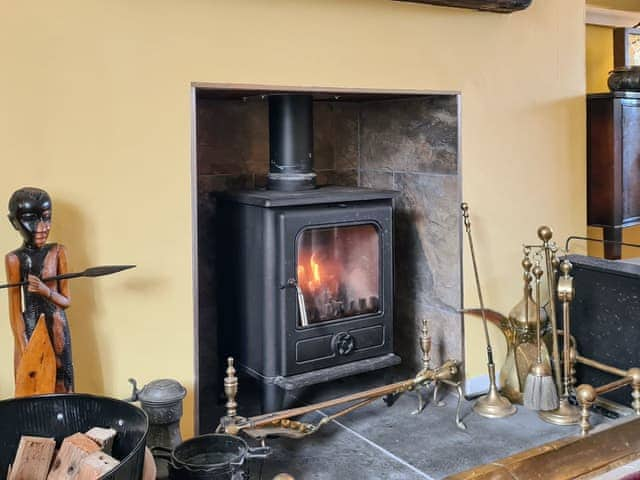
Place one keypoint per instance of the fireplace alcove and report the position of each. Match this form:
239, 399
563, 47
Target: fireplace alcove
403, 141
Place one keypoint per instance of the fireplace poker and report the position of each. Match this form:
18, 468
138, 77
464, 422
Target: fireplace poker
491, 405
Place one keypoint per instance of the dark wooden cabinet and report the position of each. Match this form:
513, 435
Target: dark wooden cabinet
613, 164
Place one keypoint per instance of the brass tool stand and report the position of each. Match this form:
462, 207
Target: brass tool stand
281, 424
545, 234
491, 405
565, 414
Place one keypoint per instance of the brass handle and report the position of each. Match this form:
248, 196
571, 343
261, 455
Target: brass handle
465, 215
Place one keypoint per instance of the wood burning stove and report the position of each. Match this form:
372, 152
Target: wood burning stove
308, 283
306, 273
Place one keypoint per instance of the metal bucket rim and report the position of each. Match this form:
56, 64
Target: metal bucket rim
235, 461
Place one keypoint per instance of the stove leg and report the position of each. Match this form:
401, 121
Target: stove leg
273, 398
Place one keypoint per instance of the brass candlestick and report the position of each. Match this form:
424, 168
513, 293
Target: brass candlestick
565, 414
231, 389
491, 405
425, 345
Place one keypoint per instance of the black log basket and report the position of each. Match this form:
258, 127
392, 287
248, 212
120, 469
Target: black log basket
58, 416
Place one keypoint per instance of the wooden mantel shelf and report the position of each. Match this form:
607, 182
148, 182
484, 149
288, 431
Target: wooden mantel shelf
569, 458
498, 6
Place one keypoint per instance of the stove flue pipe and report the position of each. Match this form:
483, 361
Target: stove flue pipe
291, 143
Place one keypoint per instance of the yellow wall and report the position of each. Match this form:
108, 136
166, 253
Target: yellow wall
96, 108
599, 57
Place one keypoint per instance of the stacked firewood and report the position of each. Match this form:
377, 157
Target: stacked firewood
82, 456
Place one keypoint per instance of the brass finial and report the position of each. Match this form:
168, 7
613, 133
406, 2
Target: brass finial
634, 373
231, 389
425, 345
527, 264
537, 271
566, 291
586, 395
465, 215
545, 233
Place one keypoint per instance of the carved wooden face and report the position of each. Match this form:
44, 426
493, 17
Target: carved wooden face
30, 214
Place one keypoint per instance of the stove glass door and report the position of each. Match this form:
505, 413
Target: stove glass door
338, 271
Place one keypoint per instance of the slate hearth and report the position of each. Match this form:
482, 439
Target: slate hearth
408, 143
390, 443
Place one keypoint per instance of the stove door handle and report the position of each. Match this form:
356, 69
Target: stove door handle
304, 320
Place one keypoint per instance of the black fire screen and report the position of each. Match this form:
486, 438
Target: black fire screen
338, 271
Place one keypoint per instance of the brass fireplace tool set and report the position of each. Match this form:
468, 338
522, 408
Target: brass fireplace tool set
530, 375
281, 423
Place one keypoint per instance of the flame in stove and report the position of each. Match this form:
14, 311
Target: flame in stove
310, 278
315, 268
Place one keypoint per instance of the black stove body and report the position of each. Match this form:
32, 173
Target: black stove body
308, 282
306, 273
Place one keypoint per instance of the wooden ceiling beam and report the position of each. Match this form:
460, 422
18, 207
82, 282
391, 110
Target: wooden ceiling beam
497, 6
607, 17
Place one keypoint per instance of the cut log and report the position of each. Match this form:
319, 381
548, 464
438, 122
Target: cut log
33, 459
103, 437
73, 451
96, 465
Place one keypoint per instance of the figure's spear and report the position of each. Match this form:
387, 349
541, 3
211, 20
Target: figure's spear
89, 272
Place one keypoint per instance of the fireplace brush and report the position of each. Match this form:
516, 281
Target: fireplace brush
491, 405
540, 390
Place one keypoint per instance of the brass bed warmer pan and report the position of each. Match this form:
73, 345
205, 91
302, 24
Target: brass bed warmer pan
281, 423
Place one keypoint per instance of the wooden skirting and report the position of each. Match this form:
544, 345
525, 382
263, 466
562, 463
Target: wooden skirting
569, 458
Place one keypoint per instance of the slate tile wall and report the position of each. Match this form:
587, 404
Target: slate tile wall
411, 145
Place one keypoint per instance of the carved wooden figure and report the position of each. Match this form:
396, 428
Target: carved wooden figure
37, 302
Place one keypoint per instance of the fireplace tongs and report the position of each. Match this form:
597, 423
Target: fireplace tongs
280, 424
